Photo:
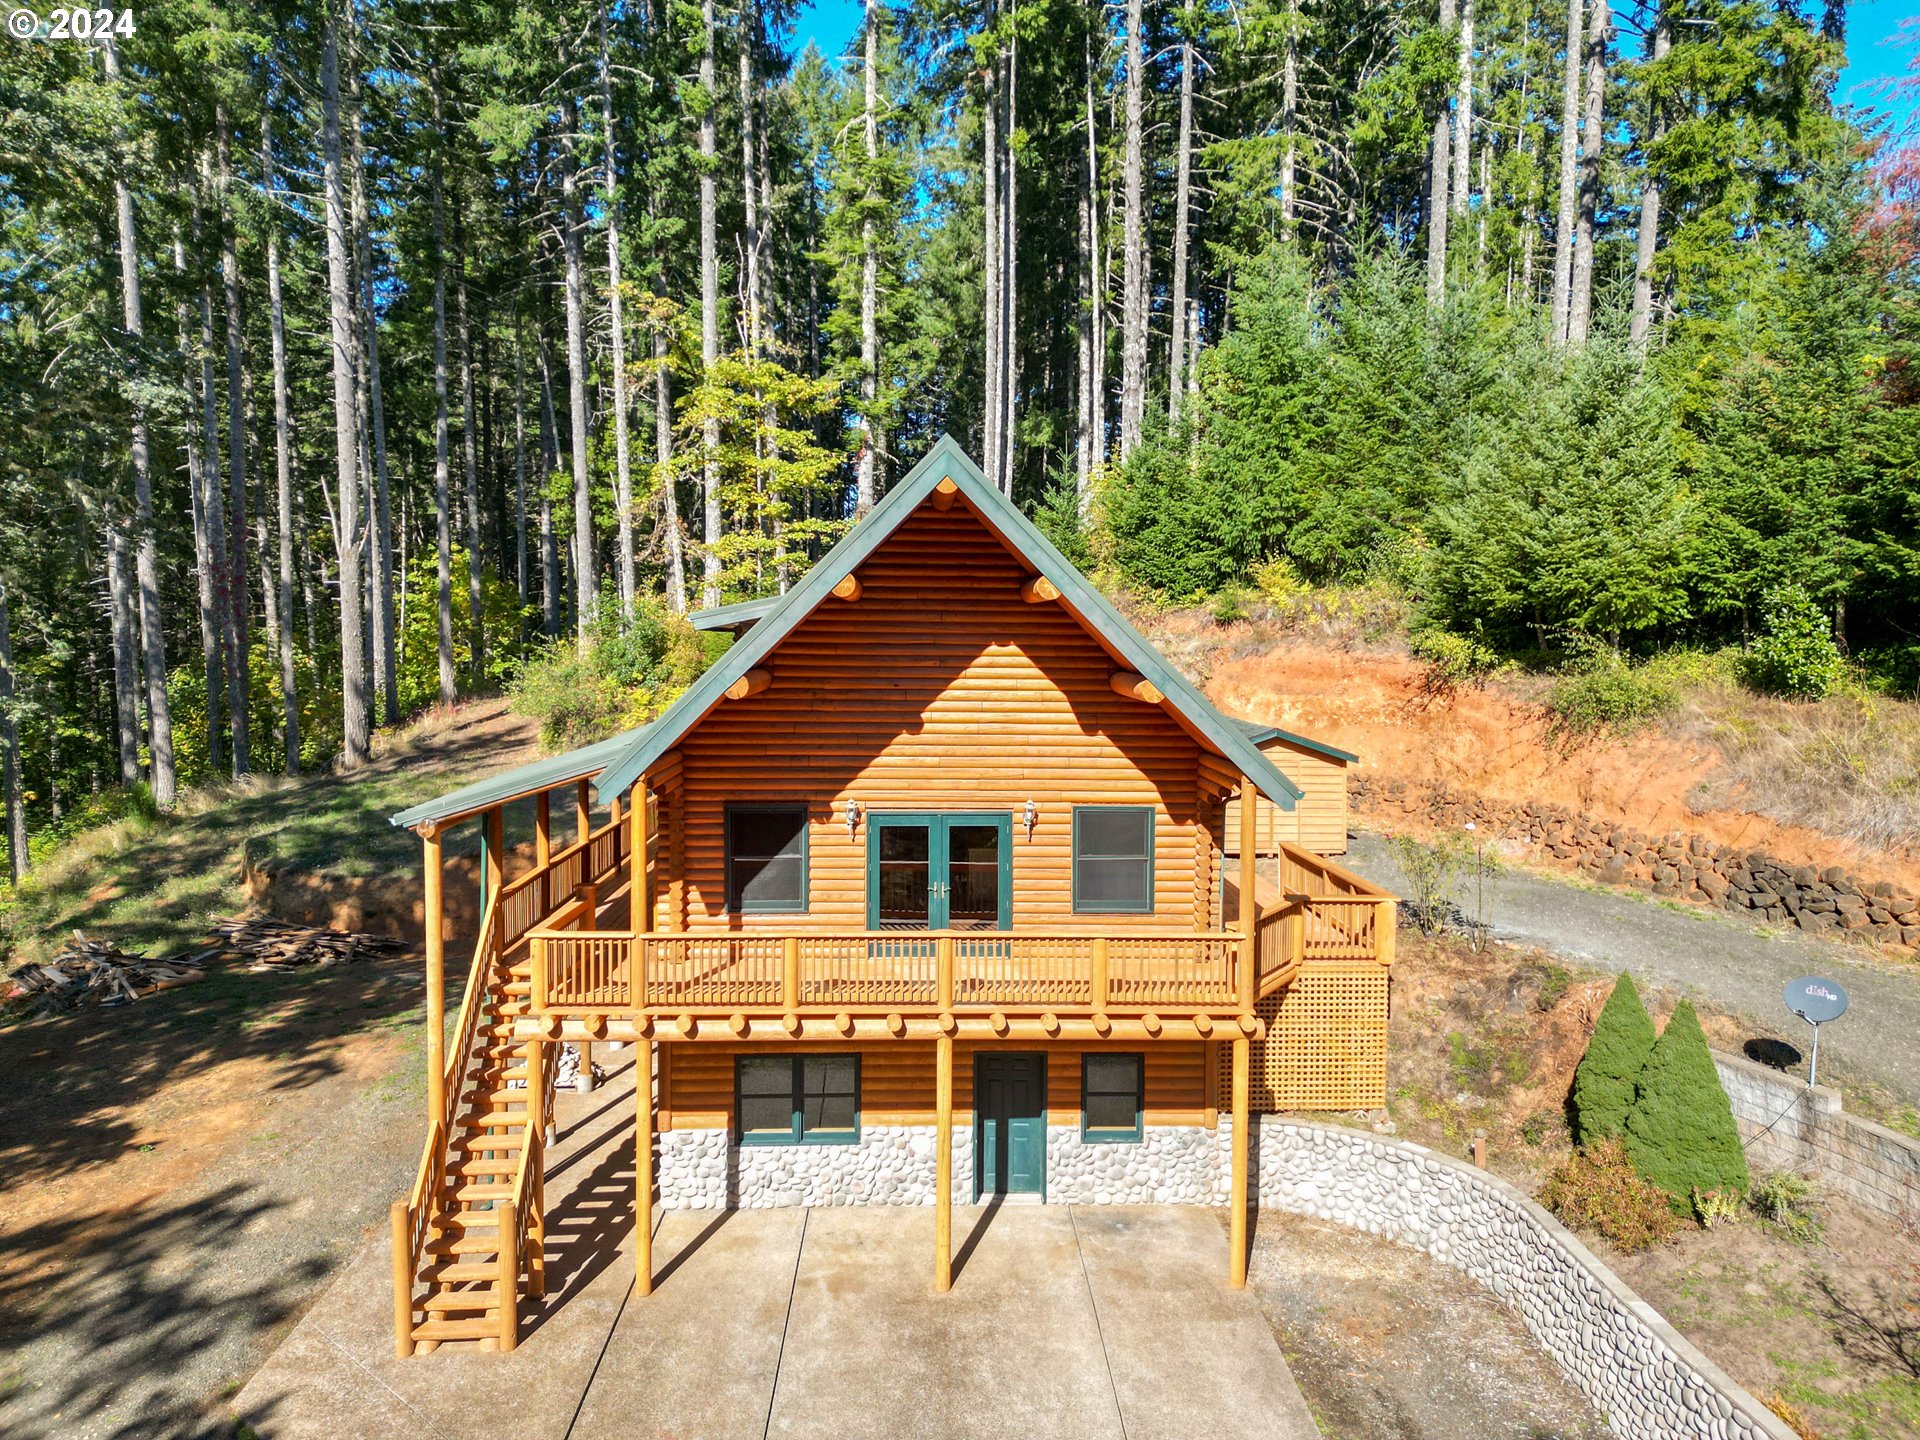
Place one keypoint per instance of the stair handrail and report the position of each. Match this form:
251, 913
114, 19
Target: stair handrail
528, 1240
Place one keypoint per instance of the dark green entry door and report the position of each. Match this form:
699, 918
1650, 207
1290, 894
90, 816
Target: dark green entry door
1009, 1124
939, 872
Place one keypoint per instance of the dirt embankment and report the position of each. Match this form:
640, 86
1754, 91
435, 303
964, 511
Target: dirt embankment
1494, 743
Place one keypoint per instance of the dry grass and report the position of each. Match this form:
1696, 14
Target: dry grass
1848, 765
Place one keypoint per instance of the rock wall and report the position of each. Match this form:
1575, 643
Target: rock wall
1686, 867
1637, 1371
1790, 1126
1172, 1165
891, 1165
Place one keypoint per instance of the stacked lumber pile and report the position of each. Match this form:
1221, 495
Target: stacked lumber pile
98, 972
270, 944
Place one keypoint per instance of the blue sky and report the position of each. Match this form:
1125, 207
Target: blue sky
1871, 25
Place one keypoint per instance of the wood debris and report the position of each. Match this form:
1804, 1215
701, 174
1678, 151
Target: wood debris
271, 944
98, 972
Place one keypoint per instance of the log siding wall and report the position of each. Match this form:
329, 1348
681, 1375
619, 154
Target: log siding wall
897, 1081
939, 689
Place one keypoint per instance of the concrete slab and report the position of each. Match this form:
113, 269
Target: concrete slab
1187, 1354
873, 1351
1092, 1323
698, 1358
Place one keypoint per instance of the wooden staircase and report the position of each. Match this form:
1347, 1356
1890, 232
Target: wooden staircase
469, 1239
481, 1214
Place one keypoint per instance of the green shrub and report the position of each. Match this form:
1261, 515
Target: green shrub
1229, 605
1794, 654
1609, 694
1715, 1207
1603, 1086
1596, 1188
1452, 660
1429, 868
625, 677
1680, 1133
1786, 1200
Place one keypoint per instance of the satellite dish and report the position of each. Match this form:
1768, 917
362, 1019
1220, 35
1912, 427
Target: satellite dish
1816, 1001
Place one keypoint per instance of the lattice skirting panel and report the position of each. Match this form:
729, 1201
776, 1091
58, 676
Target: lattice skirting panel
1326, 1043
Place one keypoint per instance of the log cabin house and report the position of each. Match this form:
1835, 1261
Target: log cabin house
939, 883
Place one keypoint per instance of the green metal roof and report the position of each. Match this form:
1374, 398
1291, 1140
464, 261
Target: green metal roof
529, 779
1260, 734
743, 616
946, 461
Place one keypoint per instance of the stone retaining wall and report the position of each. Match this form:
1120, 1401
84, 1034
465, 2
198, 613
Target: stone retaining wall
1173, 1165
1647, 1380
892, 1165
1789, 1126
1687, 867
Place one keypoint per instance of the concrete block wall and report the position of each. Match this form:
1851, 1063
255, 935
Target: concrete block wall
1788, 1125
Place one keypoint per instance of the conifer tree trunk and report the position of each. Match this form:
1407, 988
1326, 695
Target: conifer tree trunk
386, 677
153, 645
126, 687
238, 649
10, 769
749, 197
1010, 265
519, 463
1592, 142
549, 542
1290, 121
212, 501
709, 312
283, 459
203, 562
1134, 276
348, 539
616, 318
442, 463
1569, 175
469, 458
1647, 243
576, 300
1439, 170
1463, 118
871, 439
1182, 200
992, 275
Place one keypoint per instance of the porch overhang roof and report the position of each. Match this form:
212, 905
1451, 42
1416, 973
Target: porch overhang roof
1265, 734
947, 461
547, 773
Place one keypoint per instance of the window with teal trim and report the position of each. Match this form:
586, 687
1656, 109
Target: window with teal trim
1113, 859
1112, 1098
766, 859
797, 1099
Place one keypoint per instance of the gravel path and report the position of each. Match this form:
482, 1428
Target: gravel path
1710, 956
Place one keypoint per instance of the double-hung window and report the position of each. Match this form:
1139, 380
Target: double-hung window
766, 859
798, 1099
1113, 859
1112, 1097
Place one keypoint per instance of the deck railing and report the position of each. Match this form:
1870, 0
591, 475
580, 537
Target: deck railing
583, 972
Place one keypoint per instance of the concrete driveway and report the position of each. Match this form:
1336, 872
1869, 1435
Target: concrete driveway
1064, 1321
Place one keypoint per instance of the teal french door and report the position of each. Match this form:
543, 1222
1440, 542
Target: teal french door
930, 871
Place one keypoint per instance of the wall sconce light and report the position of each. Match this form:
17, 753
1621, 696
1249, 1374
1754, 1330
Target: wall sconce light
1033, 818
853, 819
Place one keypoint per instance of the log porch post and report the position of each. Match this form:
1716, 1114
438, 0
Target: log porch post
643, 1166
543, 829
436, 929
493, 856
582, 809
1237, 1211
1249, 906
640, 836
943, 1166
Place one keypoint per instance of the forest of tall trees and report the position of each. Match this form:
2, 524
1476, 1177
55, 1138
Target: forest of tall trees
356, 351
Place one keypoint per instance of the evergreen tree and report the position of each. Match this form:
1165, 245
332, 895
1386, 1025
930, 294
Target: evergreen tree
1680, 1133
1603, 1086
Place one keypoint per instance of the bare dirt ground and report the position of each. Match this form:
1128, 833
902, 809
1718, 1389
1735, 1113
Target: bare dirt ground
1489, 740
1389, 1344
178, 1177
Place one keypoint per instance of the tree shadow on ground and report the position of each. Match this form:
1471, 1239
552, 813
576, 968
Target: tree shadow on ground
129, 1311
1874, 1321
74, 1078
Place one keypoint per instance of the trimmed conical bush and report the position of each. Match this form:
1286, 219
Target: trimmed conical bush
1603, 1086
1680, 1133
